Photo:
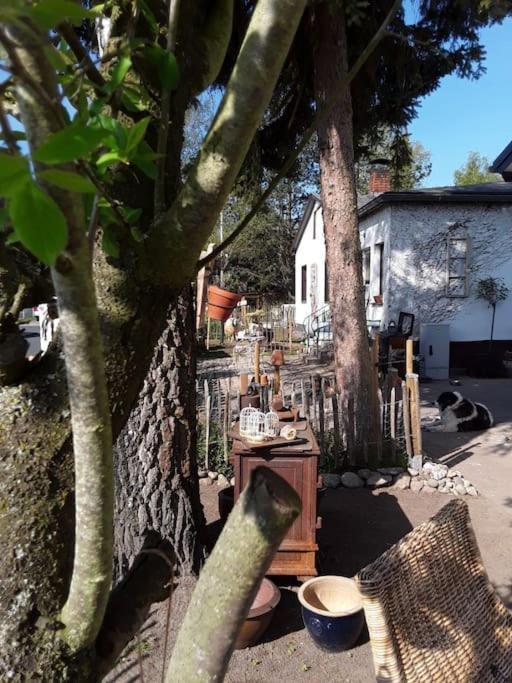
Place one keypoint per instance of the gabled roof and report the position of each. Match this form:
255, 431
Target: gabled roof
311, 203
503, 163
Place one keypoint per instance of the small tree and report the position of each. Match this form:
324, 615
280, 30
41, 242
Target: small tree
475, 170
493, 290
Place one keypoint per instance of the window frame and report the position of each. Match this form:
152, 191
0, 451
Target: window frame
304, 284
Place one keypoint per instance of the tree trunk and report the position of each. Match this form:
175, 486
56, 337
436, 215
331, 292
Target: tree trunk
343, 251
156, 474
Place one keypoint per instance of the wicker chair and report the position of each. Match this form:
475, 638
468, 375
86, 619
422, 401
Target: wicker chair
432, 613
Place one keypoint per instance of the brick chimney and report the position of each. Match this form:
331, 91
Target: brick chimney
380, 176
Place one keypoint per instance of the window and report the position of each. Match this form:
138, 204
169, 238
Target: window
304, 284
457, 267
379, 255
326, 284
366, 267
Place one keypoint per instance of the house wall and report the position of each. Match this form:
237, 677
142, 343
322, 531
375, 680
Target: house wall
418, 268
310, 253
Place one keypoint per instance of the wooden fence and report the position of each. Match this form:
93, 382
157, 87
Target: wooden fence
315, 396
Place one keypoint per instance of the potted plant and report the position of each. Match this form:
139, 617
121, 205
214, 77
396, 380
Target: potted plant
493, 290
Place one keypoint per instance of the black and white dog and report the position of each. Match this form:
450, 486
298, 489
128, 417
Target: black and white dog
459, 414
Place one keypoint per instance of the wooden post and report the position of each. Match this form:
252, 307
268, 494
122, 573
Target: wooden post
244, 383
304, 399
207, 401
392, 421
321, 416
336, 427
409, 357
257, 362
208, 334
225, 426
277, 380
290, 331
381, 423
407, 419
414, 390
313, 401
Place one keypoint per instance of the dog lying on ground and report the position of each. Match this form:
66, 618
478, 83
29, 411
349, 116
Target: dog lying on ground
459, 414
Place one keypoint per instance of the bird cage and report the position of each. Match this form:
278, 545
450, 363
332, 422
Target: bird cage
271, 424
252, 424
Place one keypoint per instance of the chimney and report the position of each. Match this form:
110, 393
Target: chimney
380, 176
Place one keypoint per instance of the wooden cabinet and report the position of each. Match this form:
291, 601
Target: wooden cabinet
298, 465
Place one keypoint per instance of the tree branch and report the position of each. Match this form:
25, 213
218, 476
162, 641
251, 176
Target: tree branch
90, 416
231, 577
178, 236
69, 34
294, 155
165, 108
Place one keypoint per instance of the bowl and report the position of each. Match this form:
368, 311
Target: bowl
260, 615
332, 611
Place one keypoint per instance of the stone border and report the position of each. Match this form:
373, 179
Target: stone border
432, 477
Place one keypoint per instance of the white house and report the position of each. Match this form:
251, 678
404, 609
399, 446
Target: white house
423, 251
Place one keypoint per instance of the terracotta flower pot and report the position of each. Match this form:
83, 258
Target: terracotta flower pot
260, 615
221, 303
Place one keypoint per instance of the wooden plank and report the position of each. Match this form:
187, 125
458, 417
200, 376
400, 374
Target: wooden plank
392, 421
304, 399
225, 425
407, 419
336, 427
415, 415
321, 416
207, 434
244, 383
257, 362
409, 357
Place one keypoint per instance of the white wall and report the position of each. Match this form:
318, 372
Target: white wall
310, 251
418, 268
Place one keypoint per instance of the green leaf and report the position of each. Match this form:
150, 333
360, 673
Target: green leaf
148, 15
166, 64
118, 73
14, 173
109, 159
169, 72
131, 214
136, 133
67, 180
147, 167
119, 132
135, 98
137, 234
74, 142
38, 222
48, 13
56, 58
110, 243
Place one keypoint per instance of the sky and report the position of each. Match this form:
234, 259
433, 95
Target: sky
462, 116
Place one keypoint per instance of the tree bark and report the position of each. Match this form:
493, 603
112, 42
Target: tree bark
36, 499
156, 474
341, 227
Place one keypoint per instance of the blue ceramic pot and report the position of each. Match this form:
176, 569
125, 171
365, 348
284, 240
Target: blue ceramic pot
332, 611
